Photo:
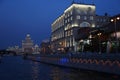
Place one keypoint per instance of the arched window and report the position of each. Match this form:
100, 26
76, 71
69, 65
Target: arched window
84, 24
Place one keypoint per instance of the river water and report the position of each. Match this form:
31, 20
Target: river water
16, 68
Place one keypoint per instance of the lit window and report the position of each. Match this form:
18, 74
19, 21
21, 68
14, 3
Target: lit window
68, 15
65, 21
71, 32
85, 18
91, 17
66, 34
71, 12
68, 20
71, 18
78, 17
65, 16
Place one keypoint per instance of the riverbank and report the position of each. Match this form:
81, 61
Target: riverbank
96, 62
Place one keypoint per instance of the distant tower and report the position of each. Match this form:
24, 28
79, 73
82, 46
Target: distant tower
27, 45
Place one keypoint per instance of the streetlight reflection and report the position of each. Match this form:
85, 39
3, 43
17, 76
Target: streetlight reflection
116, 39
99, 34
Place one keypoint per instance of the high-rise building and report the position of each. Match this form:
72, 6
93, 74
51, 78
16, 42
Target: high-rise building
27, 45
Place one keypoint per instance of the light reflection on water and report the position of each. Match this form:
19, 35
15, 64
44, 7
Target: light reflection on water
35, 71
15, 68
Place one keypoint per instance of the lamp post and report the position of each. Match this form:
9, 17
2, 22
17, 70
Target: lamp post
115, 29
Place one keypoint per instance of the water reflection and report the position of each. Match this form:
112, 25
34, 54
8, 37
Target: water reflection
58, 73
55, 74
15, 68
62, 74
65, 74
35, 70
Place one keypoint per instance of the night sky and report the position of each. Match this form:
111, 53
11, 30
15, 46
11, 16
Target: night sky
20, 17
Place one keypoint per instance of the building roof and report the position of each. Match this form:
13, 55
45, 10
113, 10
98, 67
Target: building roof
82, 5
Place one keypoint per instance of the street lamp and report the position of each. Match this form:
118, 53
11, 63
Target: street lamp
116, 39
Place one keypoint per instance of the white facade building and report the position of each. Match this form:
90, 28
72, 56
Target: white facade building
65, 27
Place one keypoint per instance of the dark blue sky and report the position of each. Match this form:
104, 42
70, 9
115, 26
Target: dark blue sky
19, 17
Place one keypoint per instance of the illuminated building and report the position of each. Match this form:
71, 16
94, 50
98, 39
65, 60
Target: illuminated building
27, 45
102, 20
65, 27
36, 49
45, 47
109, 38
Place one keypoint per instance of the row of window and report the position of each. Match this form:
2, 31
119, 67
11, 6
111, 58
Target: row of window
85, 17
69, 33
79, 17
58, 36
68, 14
69, 19
61, 22
69, 42
101, 20
57, 25
61, 35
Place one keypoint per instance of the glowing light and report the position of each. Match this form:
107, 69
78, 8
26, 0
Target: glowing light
118, 34
73, 25
99, 34
57, 20
90, 36
82, 6
118, 18
93, 25
28, 35
112, 20
81, 40
64, 60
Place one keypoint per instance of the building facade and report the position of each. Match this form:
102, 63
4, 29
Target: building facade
27, 45
102, 20
65, 27
45, 47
